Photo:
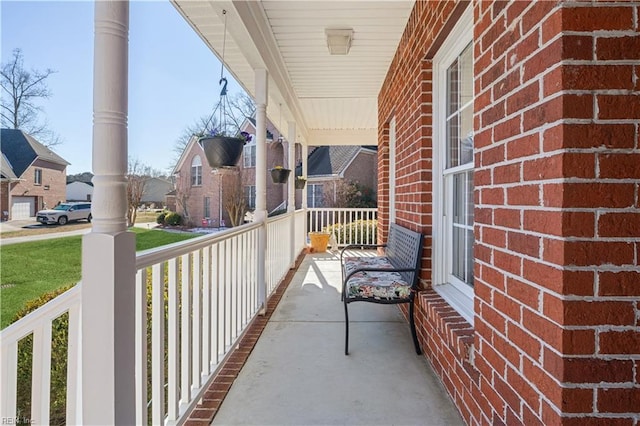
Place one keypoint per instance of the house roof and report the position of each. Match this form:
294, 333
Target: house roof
331, 160
21, 150
252, 120
155, 189
6, 171
79, 182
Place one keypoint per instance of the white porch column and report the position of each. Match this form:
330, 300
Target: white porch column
291, 205
304, 153
260, 213
108, 252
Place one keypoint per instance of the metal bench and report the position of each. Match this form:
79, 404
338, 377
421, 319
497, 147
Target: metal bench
389, 279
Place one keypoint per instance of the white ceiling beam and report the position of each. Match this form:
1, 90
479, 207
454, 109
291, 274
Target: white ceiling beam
318, 137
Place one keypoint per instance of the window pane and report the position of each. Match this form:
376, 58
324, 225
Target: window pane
458, 264
466, 75
452, 85
469, 256
452, 142
469, 198
466, 135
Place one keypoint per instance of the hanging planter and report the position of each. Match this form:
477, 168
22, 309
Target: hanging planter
300, 182
280, 174
222, 151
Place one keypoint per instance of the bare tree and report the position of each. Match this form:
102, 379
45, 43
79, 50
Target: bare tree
235, 201
183, 192
22, 89
137, 176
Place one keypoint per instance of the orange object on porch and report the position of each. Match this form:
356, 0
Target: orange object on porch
319, 241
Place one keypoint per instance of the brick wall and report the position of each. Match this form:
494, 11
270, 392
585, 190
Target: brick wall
556, 329
52, 190
362, 170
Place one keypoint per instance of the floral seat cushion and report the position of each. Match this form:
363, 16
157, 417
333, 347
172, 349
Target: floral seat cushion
374, 284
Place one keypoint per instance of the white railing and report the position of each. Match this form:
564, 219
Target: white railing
39, 325
211, 291
350, 226
278, 251
194, 299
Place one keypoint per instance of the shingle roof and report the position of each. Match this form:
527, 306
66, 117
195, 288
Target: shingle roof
330, 160
6, 171
22, 150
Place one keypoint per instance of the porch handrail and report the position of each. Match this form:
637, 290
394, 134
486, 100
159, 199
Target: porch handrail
356, 225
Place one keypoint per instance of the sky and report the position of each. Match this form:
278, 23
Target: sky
173, 76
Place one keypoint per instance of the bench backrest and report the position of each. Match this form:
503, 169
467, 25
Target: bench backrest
404, 250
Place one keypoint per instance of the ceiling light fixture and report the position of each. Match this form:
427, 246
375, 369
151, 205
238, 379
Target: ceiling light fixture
339, 40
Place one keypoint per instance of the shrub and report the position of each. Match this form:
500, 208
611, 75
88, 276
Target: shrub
160, 217
173, 219
356, 232
59, 341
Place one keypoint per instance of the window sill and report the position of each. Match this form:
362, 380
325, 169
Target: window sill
457, 300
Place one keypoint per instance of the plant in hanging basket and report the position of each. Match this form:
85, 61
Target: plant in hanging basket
300, 182
222, 150
279, 174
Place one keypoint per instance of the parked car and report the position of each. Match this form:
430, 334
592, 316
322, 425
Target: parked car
65, 212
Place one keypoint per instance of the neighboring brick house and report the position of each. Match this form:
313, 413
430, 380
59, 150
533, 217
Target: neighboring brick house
510, 130
33, 176
197, 185
328, 167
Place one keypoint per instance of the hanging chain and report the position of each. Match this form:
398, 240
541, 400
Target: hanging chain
221, 108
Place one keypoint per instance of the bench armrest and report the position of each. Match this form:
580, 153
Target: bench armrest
368, 246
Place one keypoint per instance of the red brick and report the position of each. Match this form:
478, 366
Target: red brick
567, 223
564, 165
597, 18
524, 146
597, 77
618, 48
536, 14
615, 400
578, 342
593, 313
506, 174
617, 136
577, 47
494, 237
508, 218
619, 225
538, 325
524, 243
545, 384
507, 84
523, 195
620, 342
507, 306
589, 195
506, 130
624, 283
619, 166
596, 253
591, 370
528, 343
523, 98
612, 107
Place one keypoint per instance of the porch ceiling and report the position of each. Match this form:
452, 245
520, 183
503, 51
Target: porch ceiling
332, 98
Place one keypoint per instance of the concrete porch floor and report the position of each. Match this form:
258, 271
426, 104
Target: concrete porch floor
297, 373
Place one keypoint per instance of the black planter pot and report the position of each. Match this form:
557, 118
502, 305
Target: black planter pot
299, 184
280, 175
222, 151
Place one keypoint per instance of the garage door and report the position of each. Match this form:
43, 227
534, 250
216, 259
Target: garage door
22, 208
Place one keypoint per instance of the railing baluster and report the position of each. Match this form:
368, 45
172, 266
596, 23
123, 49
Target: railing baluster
174, 337
9, 374
195, 327
73, 367
228, 295
141, 350
215, 307
157, 344
41, 376
206, 311
185, 358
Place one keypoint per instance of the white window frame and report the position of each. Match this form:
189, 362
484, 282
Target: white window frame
249, 154
458, 294
250, 195
196, 171
392, 170
313, 203
37, 178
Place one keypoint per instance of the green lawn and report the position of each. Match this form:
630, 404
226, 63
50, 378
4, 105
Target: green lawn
31, 269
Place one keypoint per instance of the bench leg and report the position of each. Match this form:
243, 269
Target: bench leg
346, 323
413, 326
